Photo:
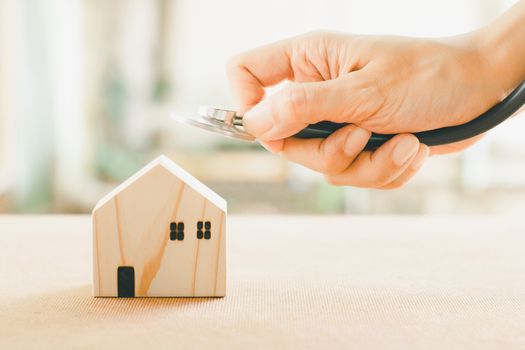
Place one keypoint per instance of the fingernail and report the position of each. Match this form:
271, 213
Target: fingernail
258, 120
420, 158
355, 140
405, 149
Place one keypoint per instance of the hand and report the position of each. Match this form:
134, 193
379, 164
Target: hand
384, 85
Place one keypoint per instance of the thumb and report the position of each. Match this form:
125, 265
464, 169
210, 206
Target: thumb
297, 105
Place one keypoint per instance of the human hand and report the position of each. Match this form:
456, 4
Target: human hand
384, 85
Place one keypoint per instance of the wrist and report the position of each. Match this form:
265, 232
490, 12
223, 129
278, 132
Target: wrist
500, 48
502, 66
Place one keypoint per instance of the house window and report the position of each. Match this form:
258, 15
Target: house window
203, 229
200, 234
207, 230
176, 231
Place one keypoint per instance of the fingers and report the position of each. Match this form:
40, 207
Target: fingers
352, 97
291, 109
248, 73
414, 167
341, 158
328, 156
379, 168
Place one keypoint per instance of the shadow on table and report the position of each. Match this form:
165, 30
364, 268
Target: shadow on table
79, 302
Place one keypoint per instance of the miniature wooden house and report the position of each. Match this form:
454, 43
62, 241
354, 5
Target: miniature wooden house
161, 233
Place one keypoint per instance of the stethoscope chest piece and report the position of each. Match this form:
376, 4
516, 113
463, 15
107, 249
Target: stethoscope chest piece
220, 121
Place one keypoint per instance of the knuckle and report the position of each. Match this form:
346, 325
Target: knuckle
379, 179
375, 97
329, 167
325, 166
367, 103
331, 151
294, 100
326, 158
233, 64
331, 161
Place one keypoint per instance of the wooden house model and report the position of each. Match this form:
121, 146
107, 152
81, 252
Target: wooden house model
161, 233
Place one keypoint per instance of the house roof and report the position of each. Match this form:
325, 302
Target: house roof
176, 170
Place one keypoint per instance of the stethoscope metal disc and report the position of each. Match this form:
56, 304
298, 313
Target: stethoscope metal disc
217, 121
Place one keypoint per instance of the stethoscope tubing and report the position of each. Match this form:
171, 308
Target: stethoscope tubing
442, 136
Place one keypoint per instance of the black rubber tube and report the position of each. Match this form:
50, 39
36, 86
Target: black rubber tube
488, 120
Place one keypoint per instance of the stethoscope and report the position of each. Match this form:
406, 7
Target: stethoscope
229, 123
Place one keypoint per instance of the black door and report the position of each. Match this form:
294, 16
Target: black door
126, 281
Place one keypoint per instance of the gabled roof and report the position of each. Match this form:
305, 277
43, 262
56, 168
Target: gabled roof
176, 170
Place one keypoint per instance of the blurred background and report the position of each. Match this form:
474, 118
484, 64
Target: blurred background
86, 87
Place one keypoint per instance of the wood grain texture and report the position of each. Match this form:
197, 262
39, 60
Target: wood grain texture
132, 228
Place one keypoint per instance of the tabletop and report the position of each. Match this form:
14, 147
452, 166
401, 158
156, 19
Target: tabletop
297, 282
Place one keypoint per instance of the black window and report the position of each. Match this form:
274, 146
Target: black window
200, 234
206, 233
176, 231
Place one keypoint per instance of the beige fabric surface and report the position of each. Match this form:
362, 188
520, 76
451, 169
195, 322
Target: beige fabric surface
293, 282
